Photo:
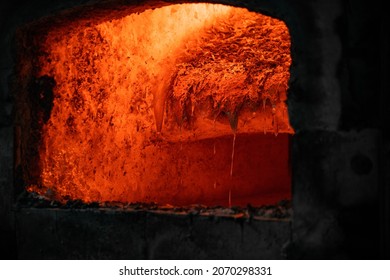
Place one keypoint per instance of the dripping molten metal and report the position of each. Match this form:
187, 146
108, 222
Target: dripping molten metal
145, 107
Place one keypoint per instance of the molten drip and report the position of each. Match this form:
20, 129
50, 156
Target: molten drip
145, 106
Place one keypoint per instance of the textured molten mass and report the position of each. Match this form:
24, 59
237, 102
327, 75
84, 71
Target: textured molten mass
131, 96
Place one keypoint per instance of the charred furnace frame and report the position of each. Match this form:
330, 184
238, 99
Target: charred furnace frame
338, 159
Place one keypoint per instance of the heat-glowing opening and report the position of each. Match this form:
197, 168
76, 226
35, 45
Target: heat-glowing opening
183, 104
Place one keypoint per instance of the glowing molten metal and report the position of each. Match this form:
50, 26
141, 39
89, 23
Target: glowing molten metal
181, 104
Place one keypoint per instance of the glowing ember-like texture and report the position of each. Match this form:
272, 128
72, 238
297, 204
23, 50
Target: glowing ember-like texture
130, 93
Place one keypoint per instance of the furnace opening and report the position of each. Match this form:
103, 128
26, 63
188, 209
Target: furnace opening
182, 104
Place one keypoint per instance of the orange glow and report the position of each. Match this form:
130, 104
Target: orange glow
145, 107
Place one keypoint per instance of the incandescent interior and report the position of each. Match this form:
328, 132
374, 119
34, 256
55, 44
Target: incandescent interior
182, 104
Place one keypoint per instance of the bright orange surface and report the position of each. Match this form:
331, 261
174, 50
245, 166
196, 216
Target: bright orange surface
141, 101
